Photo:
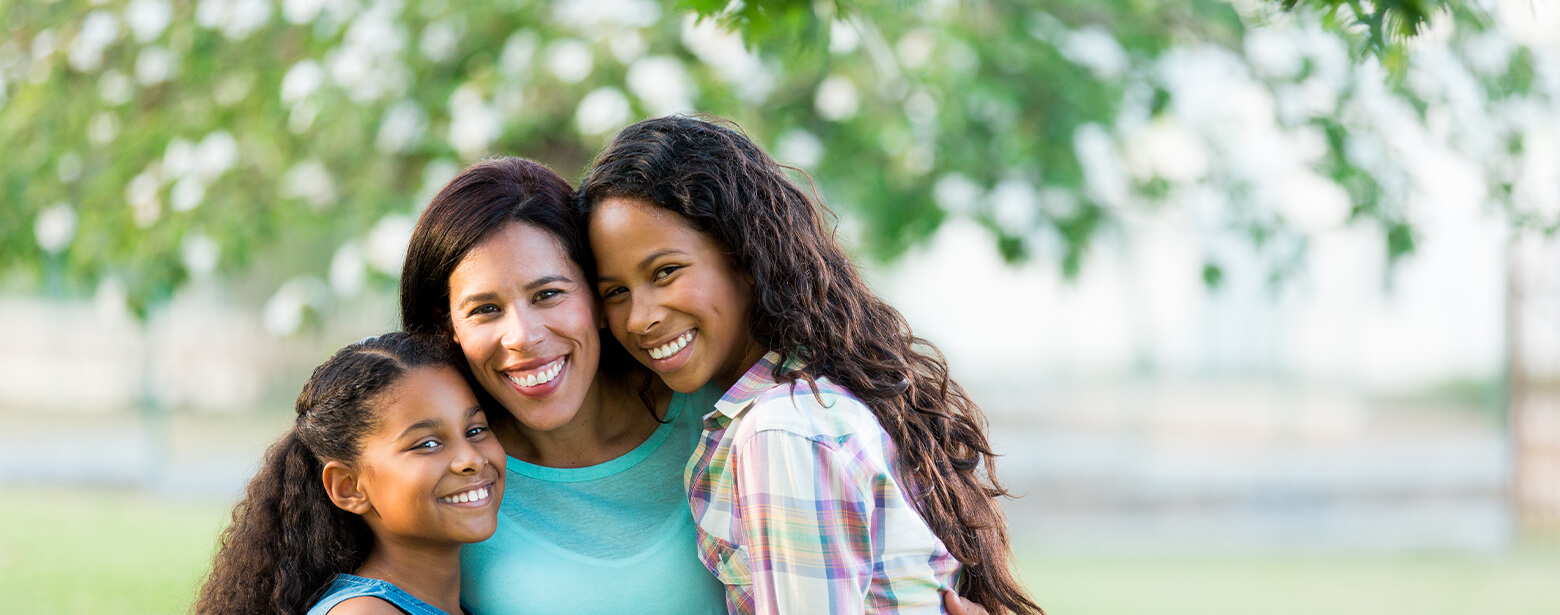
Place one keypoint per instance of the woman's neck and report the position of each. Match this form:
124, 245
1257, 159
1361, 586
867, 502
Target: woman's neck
429, 572
611, 421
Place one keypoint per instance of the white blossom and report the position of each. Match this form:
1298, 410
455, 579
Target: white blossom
662, 84
115, 88
402, 127
155, 65
800, 148
836, 99
956, 194
98, 30
347, 270
601, 111
55, 227
302, 81
187, 193
570, 60
310, 182
148, 18
200, 254
474, 124
386, 249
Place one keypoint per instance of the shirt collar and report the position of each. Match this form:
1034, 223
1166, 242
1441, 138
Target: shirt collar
759, 378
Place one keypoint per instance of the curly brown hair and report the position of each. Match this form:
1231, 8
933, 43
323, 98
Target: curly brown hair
809, 301
287, 540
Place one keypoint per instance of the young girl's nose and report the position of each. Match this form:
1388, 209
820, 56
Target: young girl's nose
467, 460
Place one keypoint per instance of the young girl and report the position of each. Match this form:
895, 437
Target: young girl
842, 470
362, 507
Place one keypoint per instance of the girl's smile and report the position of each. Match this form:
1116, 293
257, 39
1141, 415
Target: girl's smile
431, 469
672, 295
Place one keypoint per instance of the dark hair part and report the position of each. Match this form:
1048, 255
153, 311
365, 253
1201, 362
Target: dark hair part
477, 204
288, 539
809, 301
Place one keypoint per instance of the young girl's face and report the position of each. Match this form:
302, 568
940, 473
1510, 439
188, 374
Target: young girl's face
527, 322
671, 295
431, 470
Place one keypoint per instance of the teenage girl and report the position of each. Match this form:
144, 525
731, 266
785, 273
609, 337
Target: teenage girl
362, 507
842, 470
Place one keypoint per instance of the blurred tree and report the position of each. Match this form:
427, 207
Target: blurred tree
151, 142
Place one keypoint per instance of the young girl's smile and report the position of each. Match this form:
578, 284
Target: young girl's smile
672, 296
431, 470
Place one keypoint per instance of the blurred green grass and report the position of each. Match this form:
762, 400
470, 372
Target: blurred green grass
76, 551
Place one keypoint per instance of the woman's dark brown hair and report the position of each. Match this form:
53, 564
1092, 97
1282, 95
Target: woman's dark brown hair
809, 301
288, 540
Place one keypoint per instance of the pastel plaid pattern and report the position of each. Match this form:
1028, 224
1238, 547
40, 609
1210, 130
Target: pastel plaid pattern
800, 510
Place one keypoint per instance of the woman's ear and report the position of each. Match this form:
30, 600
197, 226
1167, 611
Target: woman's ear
341, 484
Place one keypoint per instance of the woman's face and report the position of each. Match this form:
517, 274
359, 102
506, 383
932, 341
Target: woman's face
527, 324
431, 469
672, 296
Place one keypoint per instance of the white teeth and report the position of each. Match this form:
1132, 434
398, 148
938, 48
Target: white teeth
475, 495
670, 348
543, 377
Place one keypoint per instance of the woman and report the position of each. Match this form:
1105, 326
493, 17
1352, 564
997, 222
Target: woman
598, 522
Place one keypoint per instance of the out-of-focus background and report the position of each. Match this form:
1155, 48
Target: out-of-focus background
1262, 300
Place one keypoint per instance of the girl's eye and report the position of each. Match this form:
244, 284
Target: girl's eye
660, 274
546, 294
486, 308
613, 292
477, 430
426, 445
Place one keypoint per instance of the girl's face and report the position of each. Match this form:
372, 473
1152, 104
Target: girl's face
672, 296
528, 325
431, 470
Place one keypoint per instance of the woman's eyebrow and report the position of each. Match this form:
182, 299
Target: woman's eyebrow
548, 279
474, 298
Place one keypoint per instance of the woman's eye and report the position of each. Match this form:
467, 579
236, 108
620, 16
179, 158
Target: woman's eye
547, 294
661, 273
486, 308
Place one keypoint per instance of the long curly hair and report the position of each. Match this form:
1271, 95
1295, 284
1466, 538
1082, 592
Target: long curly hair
287, 540
809, 301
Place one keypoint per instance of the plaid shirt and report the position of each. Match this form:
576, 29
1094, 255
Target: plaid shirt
799, 508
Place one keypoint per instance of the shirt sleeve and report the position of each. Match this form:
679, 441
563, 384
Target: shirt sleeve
813, 513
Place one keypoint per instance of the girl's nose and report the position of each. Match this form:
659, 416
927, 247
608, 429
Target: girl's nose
467, 459
644, 315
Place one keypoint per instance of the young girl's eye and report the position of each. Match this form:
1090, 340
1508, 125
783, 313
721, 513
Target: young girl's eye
546, 294
477, 430
660, 274
613, 292
426, 445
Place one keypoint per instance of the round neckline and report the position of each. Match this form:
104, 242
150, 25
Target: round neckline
613, 466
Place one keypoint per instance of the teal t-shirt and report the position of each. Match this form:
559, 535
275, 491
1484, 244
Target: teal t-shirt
611, 538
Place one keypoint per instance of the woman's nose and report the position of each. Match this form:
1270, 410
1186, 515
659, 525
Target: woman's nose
522, 331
